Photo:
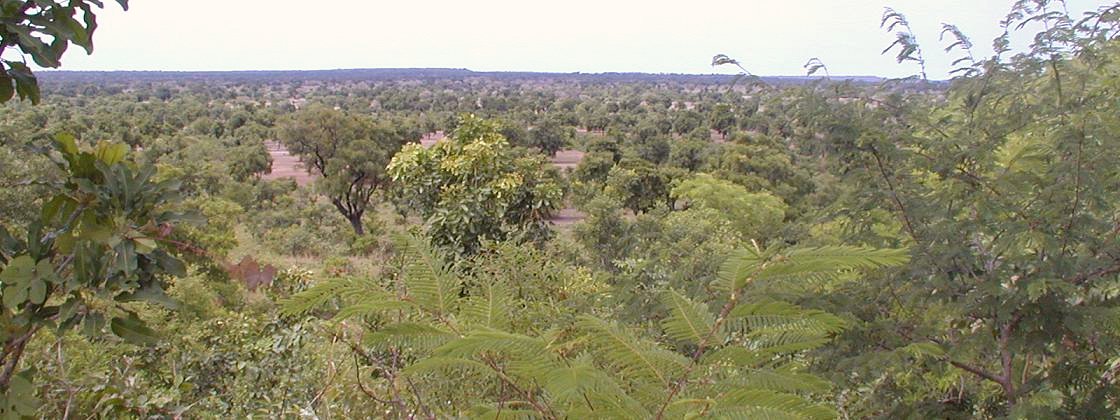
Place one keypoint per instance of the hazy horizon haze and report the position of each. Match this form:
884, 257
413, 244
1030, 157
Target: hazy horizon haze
769, 38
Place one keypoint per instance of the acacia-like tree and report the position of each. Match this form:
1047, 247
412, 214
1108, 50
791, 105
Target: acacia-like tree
349, 153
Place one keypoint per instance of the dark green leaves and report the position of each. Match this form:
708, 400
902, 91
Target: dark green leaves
25, 280
25, 24
133, 330
25, 83
6, 89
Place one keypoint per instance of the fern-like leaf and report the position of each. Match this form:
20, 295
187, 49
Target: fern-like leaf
688, 321
571, 384
489, 307
815, 263
633, 357
490, 341
352, 289
443, 364
408, 335
779, 380
756, 404
429, 282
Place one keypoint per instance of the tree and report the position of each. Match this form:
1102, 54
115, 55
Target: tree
1002, 190
549, 136
250, 160
28, 25
722, 119
639, 185
349, 152
474, 186
753, 215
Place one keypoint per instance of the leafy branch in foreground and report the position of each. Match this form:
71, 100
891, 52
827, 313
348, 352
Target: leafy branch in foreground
95, 247
740, 361
27, 26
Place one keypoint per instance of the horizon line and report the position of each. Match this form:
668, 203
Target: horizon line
458, 69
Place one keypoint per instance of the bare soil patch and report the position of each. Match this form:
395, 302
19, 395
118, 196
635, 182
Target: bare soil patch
286, 165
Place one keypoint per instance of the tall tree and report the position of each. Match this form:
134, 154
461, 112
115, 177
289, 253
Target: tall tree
349, 152
1005, 191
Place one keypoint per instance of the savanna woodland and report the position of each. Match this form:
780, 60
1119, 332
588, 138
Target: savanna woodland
445, 244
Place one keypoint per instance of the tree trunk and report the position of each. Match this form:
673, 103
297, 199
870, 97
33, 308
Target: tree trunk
356, 223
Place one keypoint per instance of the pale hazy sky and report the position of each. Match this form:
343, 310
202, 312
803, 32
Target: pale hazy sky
770, 37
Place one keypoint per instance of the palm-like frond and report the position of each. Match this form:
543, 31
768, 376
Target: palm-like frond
776, 316
410, 335
610, 405
779, 380
494, 413
429, 282
780, 327
443, 364
737, 356
489, 307
756, 404
633, 357
490, 341
352, 289
688, 321
570, 385
814, 263
374, 305
738, 267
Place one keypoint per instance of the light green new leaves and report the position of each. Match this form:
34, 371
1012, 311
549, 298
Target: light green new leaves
489, 307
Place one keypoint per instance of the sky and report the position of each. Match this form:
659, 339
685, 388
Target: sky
768, 37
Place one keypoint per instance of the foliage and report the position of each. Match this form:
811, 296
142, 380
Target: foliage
549, 136
349, 152
95, 248
754, 215
29, 25
1002, 192
474, 186
639, 185
721, 364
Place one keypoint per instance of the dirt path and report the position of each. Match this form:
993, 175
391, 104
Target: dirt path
286, 165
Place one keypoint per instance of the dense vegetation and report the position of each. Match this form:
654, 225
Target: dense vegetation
750, 248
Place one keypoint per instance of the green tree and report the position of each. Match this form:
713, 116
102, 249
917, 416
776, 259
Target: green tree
639, 185
753, 215
250, 160
349, 152
474, 186
1005, 191
549, 136
722, 119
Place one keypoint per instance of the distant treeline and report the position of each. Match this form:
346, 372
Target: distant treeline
390, 74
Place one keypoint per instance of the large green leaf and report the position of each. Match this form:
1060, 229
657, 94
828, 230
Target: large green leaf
133, 330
